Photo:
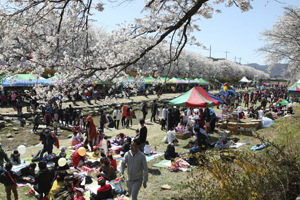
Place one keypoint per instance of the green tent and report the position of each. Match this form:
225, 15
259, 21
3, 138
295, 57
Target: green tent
2, 78
283, 102
192, 81
149, 80
173, 80
201, 81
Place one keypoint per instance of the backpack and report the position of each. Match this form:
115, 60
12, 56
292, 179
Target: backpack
33, 120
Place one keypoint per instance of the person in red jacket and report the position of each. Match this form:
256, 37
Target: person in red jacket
78, 160
104, 191
124, 114
91, 132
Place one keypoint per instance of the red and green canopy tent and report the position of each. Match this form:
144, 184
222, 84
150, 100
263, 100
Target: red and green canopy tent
195, 97
294, 89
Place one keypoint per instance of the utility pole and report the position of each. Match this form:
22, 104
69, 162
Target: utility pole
240, 60
226, 53
210, 51
235, 59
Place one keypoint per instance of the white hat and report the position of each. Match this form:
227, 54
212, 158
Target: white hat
62, 148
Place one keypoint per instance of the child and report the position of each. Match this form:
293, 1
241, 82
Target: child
137, 132
75, 139
15, 158
147, 149
55, 126
9, 179
81, 124
126, 146
62, 153
120, 139
79, 135
79, 194
55, 116
104, 191
113, 161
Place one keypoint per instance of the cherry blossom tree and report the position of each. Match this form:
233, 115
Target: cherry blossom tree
283, 42
60, 34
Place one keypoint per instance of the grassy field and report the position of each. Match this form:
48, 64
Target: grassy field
159, 177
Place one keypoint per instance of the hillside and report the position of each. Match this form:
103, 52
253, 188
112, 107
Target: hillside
277, 71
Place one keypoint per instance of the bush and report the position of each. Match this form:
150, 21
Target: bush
273, 174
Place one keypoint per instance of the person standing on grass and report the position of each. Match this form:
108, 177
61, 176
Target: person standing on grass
153, 111
91, 132
164, 117
36, 121
48, 118
9, 179
102, 119
3, 156
116, 116
60, 113
19, 106
143, 135
124, 115
43, 180
137, 169
144, 110
176, 115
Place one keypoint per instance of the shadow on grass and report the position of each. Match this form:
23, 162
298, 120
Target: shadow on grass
148, 123
154, 172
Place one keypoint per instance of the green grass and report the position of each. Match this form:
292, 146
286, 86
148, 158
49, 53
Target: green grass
159, 177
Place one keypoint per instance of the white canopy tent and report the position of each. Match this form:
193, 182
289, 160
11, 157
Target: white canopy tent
244, 80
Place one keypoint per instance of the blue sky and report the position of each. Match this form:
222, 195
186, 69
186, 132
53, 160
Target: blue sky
236, 32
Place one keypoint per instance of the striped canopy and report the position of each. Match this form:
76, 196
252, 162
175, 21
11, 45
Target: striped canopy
202, 81
195, 97
294, 89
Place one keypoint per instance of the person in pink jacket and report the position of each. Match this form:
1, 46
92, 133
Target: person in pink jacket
13, 99
79, 194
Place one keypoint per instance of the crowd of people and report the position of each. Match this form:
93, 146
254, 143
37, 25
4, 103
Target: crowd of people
56, 183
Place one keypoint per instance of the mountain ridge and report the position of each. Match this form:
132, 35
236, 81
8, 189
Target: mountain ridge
278, 70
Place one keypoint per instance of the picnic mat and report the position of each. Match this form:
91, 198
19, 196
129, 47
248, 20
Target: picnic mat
163, 163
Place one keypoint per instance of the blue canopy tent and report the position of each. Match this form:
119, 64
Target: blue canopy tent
19, 81
216, 98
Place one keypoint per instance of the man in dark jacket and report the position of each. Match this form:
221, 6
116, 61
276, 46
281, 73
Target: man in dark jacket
126, 146
170, 120
102, 119
43, 180
207, 118
202, 145
9, 179
143, 135
153, 111
193, 150
170, 153
263, 103
67, 116
60, 113
48, 140
176, 116
3, 156
70, 113
28, 172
